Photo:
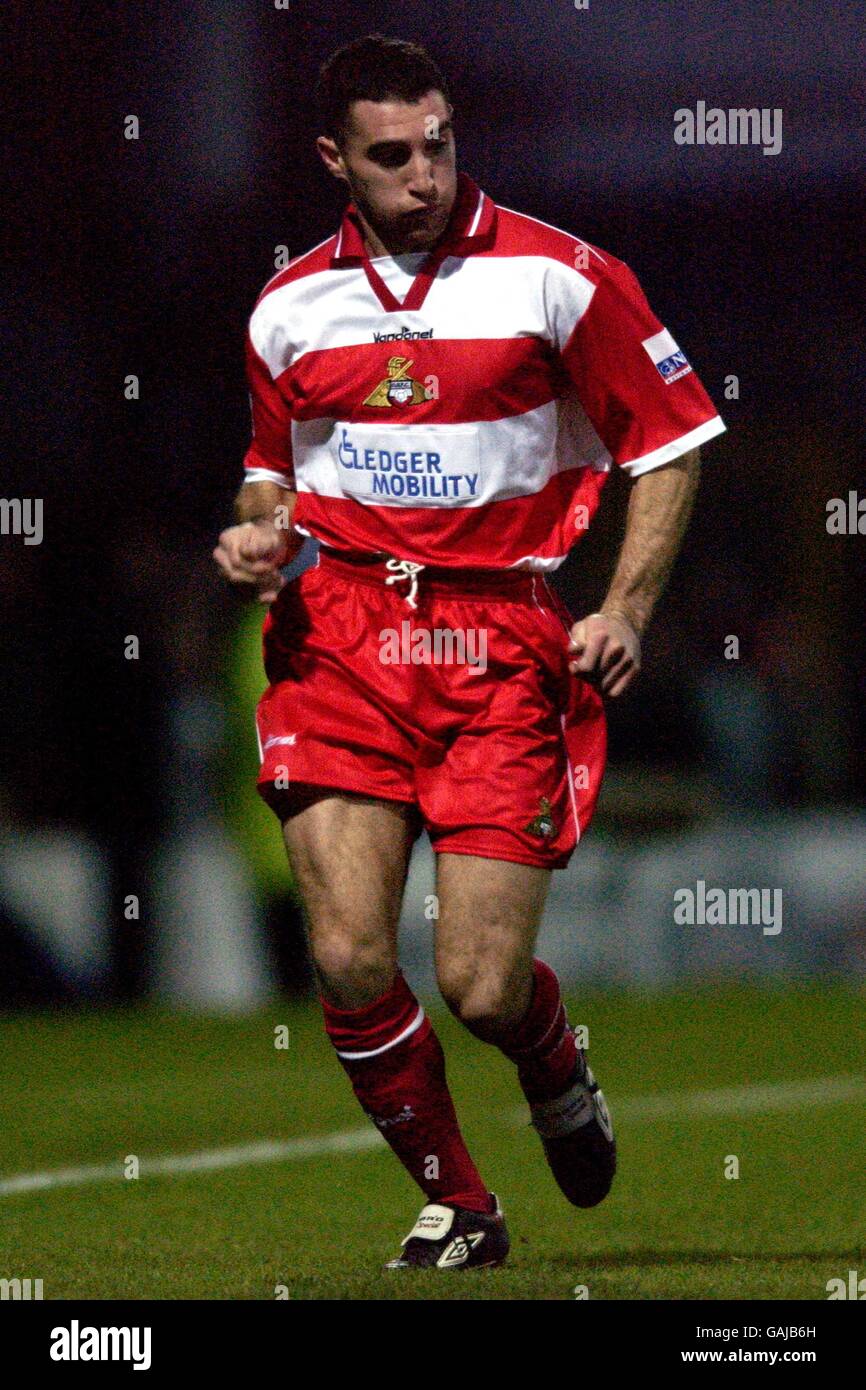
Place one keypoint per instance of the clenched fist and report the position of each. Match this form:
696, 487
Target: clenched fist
252, 553
606, 651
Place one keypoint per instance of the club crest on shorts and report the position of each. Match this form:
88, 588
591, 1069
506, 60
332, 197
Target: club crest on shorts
397, 388
543, 824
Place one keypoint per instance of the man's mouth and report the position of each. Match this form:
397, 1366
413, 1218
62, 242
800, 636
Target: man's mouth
419, 215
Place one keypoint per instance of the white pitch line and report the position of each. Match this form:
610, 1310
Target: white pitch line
745, 1100
734, 1100
268, 1151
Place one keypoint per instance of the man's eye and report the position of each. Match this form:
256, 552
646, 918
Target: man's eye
393, 159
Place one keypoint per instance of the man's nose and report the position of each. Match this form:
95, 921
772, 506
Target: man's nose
421, 181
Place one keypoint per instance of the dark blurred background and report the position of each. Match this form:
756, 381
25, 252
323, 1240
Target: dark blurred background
132, 860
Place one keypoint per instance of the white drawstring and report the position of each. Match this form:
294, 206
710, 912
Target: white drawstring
405, 569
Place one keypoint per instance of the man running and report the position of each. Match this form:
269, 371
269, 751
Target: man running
439, 393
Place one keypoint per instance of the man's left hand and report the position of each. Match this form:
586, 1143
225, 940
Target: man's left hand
605, 650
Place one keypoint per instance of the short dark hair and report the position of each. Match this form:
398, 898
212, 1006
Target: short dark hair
374, 68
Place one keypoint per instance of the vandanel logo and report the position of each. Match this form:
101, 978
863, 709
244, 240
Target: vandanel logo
404, 335
398, 387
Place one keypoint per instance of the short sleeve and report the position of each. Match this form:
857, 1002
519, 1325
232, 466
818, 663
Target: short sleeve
640, 392
269, 457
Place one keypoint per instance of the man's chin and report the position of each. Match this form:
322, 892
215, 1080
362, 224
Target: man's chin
419, 241
421, 236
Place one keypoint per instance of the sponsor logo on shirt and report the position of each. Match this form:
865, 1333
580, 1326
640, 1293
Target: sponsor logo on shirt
398, 387
403, 335
414, 473
669, 361
673, 367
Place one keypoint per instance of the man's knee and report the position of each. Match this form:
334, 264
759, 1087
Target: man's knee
353, 970
488, 1001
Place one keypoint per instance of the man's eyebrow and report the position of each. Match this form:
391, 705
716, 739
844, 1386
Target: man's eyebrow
382, 146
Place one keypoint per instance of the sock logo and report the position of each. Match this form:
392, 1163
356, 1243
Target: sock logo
401, 1118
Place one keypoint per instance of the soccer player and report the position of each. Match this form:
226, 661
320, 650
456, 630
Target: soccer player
439, 392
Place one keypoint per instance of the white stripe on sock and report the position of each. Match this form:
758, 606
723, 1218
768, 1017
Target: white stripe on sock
401, 1037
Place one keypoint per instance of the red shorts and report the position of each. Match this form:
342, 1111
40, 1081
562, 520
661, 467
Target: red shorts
462, 706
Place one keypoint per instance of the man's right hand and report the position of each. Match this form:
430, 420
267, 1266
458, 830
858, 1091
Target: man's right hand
252, 553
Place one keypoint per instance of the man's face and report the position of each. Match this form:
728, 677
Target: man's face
399, 160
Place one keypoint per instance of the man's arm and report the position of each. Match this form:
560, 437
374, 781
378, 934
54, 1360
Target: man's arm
606, 645
253, 551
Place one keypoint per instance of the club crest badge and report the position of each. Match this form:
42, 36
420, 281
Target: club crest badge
543, 824
397, 388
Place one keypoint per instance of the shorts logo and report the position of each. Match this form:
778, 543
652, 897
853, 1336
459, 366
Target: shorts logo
543, 824
397, 388
669, 361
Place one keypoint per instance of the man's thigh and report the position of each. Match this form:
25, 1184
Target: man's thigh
489, 914
349, 855
524, 745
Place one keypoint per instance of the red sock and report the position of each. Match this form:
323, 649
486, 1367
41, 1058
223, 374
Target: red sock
397, 1069
543, 1045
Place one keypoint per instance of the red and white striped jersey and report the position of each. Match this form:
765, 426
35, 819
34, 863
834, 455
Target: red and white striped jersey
472, 421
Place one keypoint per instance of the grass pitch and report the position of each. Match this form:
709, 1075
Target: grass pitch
83, 1089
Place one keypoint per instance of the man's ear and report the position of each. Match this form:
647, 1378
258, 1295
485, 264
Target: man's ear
331, 157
